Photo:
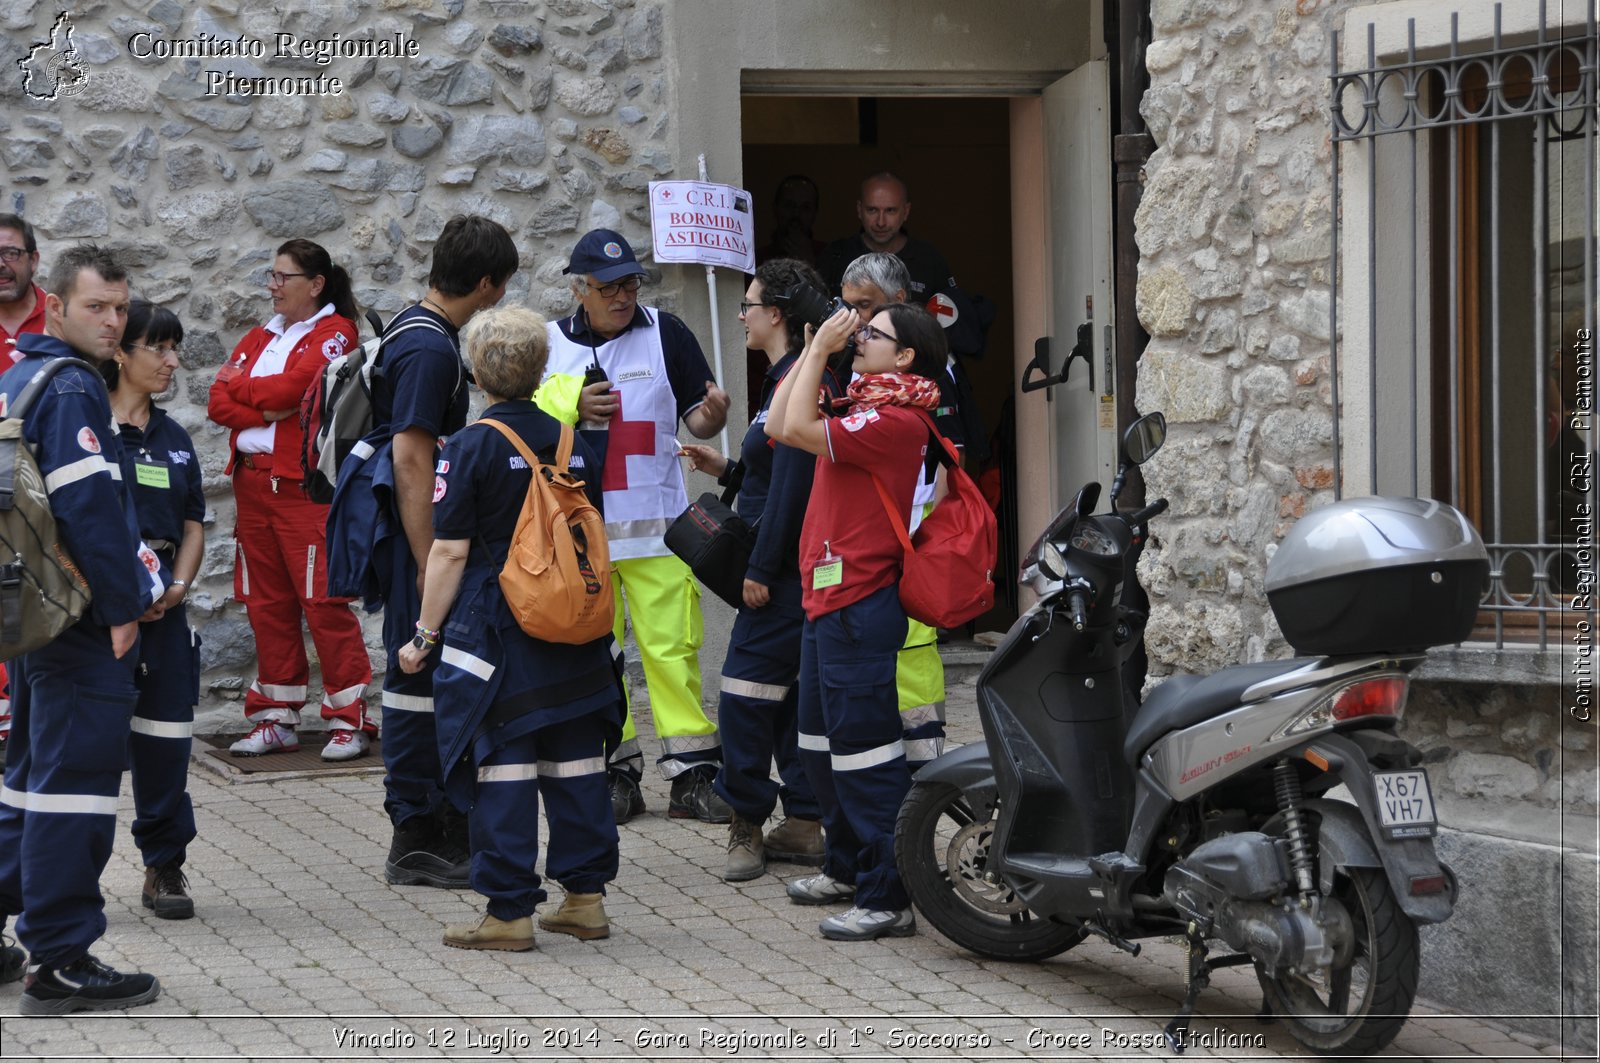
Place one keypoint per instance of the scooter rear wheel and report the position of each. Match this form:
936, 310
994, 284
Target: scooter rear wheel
942, 848
1359, 1008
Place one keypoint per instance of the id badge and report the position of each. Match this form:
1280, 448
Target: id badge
147, 475
829, 570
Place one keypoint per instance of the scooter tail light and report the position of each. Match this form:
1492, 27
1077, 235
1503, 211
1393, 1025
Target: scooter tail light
1427, 885
1383, 696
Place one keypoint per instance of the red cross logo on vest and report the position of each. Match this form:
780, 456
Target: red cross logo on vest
623, 439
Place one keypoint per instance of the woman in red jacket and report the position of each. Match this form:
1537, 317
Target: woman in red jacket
281, 571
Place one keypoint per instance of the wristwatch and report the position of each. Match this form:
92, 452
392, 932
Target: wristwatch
420, 643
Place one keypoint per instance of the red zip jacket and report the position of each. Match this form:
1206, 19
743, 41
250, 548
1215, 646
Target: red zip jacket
238, 399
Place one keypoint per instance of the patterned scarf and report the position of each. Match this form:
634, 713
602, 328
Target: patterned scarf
892, 389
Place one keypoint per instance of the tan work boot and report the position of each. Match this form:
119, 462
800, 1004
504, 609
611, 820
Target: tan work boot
583, 915
491, 933
796, 841
746, 856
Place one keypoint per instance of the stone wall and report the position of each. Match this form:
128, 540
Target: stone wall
1234, 239
550, 117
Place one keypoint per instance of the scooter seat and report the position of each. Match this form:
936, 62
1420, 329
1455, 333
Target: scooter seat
1185, 700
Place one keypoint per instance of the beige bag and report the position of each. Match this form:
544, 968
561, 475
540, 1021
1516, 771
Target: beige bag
557, 575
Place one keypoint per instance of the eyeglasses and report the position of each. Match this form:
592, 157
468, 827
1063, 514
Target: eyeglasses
159, 352
11, 254
606, 291
868, 332
746, 306
278, 277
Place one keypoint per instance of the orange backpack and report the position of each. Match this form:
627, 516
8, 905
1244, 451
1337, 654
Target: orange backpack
557, 575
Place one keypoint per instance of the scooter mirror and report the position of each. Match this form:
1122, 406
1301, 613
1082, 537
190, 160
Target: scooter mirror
1087, 498
1144, 438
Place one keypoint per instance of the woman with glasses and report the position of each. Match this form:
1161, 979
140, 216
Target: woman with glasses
163, 472
281, 573
850, 558
756, 712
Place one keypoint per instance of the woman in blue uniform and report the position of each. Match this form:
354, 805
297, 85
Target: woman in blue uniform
756, 714
161, 468
519, 719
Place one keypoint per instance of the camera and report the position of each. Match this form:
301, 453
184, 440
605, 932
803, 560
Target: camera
810, 305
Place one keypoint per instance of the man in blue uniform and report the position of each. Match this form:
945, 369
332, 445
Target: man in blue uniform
73, 699
419, 396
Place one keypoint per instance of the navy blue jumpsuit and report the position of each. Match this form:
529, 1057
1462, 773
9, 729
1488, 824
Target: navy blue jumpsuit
160, 467
73, 699
520, 718
420, 384
756, 711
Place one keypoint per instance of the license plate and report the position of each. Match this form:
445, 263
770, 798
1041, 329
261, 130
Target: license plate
1405, 804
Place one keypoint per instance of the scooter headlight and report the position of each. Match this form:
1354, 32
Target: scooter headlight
1051, 563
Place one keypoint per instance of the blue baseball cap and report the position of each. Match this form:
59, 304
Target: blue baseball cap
605, 255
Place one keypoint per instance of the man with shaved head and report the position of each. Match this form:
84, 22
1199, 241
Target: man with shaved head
883, 209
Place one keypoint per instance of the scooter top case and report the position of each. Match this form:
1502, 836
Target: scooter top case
1378, 575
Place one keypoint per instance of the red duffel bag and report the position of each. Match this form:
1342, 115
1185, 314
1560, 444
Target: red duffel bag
948, 575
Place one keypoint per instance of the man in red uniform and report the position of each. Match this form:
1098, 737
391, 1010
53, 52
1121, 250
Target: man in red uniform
21, 300
21, 310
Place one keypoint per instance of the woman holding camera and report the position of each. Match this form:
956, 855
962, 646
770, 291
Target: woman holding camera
519, 718
850, 561
756, 712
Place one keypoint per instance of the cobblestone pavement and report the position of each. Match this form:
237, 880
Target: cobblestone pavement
299, 950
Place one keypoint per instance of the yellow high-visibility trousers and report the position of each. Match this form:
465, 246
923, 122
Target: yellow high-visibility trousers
663, 608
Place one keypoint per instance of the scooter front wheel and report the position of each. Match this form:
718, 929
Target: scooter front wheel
942, 848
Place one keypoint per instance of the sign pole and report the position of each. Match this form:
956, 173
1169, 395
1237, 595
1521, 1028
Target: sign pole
716, 327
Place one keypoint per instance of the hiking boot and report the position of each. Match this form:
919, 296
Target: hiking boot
819, 889
626, 800
85, 984
491, 933
796, 841
166, 892
269, 736
866, 924
420, 855
345, 744
13, 961
583, 915
693, 797
746, 858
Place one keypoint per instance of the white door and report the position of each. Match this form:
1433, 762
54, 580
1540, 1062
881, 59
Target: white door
1077, 134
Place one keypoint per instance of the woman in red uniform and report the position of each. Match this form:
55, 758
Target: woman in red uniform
281, 572
850, 560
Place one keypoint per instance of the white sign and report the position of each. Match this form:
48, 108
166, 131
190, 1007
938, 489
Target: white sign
695, 221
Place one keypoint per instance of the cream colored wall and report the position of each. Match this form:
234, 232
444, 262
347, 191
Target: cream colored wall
1031, 313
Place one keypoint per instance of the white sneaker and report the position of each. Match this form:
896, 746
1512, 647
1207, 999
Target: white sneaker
346, 744
268, 737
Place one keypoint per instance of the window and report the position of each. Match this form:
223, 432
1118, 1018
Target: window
1465, 174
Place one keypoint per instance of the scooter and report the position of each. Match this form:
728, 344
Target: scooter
1267, 809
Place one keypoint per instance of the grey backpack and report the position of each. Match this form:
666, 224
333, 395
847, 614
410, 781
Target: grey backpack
42, 592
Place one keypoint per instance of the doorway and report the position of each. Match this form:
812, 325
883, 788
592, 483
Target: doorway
954, 154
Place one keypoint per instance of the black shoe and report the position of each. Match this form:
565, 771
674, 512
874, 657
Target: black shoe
85, 985
693, 797
166, 892
421, 855
13, 961
626, 800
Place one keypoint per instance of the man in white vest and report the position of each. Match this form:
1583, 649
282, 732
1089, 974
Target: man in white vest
625, 374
